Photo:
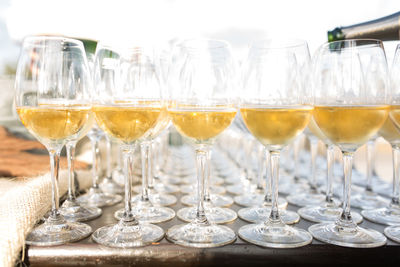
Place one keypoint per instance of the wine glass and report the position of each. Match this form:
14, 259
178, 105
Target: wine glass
330, 210
276, 108
202, 92
350, 106
390, 215
53, 102
127, 105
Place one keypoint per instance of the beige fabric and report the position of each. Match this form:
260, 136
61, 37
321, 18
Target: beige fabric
22, 202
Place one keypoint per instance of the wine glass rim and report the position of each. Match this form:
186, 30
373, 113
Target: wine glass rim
36, 40
352, 43
278, 43
196, 43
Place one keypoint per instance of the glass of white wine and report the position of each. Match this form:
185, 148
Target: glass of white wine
351, 103
202, 105
391, 215
53, 102
127, 105
276, 108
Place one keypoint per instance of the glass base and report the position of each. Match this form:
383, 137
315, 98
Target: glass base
306, 199
148, 214
157, 199
387, 216
118, 176
166, 188
56, 232
200, 235
215, 215
293, 187
262, 213
168, 180
215, 189
216, 200
109, 186
253, 200
326, 213
393, 232
356, 237
235, 180
213, 180
73, 212
274, 235
95, 197
240, 189
368, 200
125, 235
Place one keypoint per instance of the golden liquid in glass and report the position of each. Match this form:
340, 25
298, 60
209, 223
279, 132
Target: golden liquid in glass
390, 132
54, 122
350, 126
276, 126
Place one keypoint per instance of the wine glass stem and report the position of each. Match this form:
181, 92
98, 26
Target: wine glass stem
345, 219
268, 177
330, 159
396, 185
145, 153
150, 181
369, 154
54, 168
314, 150
95, 164
208, 178
261, 169
109, 158
127, 154
296, 151
201, 163
70, 147
274, 157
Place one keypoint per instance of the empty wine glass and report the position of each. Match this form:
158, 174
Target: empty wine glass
53, 102
201, 83
350, 106
276, 108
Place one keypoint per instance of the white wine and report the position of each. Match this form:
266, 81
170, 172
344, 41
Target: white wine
276, 126
54, 123
390, 131
162, 123
126, 123
202, 125
315, 130
350, 126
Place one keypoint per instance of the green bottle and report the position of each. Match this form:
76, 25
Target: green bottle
385, 29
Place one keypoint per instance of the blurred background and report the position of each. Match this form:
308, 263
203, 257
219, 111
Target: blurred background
159, 21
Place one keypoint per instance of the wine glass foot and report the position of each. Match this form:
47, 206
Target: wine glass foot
73, 212
216, 200
157, 199
166, 188
393, 232
328, 213
189, 189
215, 215
368, 200
121, 235
109, 186
148, 214
201, 236
274, 236
98, 199
306, 199
292, 187
56, 233
356, 238
387, 216
262, 213
253, 200
240, 189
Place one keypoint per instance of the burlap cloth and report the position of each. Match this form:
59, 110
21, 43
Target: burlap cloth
22, 202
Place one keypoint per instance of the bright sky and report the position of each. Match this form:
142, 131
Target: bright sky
237, 21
